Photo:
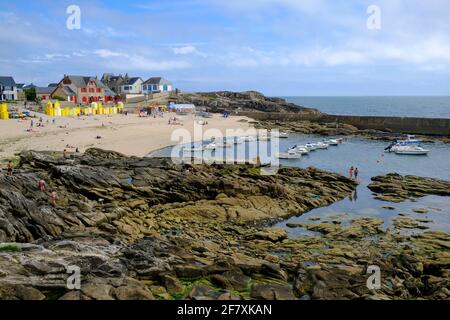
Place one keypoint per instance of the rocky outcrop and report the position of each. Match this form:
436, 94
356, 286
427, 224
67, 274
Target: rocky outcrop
147, 229
239, 101
397, 188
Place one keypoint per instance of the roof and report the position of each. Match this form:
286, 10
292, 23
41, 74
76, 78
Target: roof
44, 90
7, 81
131, 81
52, 85
20, 85
68, 91
157, 80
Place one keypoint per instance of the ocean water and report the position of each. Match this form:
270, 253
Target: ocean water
429, 107
371, 160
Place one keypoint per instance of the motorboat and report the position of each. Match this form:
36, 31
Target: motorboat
322, 145
310, 146
410, 150
280, 135
299, 150
332, 142
288, 155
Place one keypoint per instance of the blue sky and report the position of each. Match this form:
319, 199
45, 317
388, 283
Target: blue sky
278, 47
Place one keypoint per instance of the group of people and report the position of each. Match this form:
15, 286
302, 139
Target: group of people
353, 172
175, 120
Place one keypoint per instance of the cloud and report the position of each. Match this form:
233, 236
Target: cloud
185, 50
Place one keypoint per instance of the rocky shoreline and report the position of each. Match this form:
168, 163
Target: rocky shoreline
150, 229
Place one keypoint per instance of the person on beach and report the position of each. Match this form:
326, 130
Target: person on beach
9, 169
53, 198
31, 124
356, 173
350, 172
41, 185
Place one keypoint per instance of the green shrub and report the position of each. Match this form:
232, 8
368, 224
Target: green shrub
9, 247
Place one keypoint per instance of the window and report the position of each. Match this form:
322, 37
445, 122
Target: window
83, 90
99, 90
84, 99
165, 88
91, 90
155, 87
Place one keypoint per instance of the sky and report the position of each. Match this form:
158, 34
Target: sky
278, 47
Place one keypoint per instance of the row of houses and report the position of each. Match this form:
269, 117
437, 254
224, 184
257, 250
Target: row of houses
86, 89
126, 85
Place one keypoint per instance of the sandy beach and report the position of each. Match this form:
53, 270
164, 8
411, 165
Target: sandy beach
130, 135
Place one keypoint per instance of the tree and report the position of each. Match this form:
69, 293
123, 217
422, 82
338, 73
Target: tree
30, 94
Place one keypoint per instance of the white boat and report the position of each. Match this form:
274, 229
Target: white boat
332, 142
288, 155
322, 145
410, 150
299, 150
310, 146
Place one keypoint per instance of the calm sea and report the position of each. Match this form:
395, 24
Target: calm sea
430, 107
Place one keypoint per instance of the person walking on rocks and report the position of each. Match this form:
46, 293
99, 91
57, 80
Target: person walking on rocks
53, 198
356, 173
350, 172
41, 185
9, 169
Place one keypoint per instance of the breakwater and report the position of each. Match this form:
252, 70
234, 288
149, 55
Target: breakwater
427, 126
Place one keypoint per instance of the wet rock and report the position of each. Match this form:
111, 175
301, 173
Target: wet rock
234, 280
402, 188
269, 234
272, 292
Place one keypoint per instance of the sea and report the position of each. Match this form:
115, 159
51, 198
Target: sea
398, 106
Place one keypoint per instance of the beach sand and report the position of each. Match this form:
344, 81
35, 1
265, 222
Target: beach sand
129, 134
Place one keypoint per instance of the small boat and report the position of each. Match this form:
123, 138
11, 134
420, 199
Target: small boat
322, 145
310, 146
299, 150
332, 142
288, 155
410, 150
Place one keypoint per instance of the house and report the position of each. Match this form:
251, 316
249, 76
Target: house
114, 82
133, 86
44, 93
83, 89
20, 91
157, 84
52, 85
8, 89
179, 107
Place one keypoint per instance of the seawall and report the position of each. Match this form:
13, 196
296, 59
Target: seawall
427, 126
